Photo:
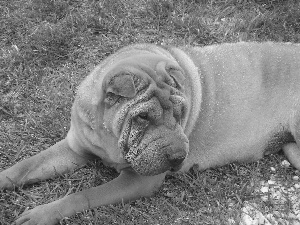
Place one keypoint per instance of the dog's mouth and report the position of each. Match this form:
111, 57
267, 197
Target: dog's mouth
157, 152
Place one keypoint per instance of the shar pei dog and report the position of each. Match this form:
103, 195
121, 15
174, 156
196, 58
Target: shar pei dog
148, 109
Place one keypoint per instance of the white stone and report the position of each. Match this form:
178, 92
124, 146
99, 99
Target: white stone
264, 189
297, 186
271, 182
285, 163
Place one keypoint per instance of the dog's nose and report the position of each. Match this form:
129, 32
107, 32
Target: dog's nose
176, 161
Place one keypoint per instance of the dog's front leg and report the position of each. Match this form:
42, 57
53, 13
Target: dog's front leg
127, 186
57, 159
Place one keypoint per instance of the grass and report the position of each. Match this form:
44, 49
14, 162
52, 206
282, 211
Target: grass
47, 47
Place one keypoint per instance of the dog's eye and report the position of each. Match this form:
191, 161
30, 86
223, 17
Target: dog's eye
142, 117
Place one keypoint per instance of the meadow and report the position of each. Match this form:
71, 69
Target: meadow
47, 47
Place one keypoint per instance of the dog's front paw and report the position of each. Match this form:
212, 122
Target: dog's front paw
5, 183
47, 214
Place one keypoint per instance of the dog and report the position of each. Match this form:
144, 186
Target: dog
148, 109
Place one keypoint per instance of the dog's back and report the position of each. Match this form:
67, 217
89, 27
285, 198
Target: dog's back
250, 101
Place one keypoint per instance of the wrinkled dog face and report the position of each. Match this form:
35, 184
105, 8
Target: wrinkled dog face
145, 108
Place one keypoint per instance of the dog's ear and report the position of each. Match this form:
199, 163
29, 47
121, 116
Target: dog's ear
122, 85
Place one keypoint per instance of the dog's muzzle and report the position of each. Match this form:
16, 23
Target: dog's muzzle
157, 155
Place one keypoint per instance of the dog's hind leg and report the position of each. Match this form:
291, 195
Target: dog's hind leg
292, 150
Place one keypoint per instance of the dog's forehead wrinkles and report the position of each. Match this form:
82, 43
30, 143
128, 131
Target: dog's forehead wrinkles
164, 74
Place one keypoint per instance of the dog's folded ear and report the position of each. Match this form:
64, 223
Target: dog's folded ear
122, 85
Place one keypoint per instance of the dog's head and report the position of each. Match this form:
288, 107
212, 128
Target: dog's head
146, 109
